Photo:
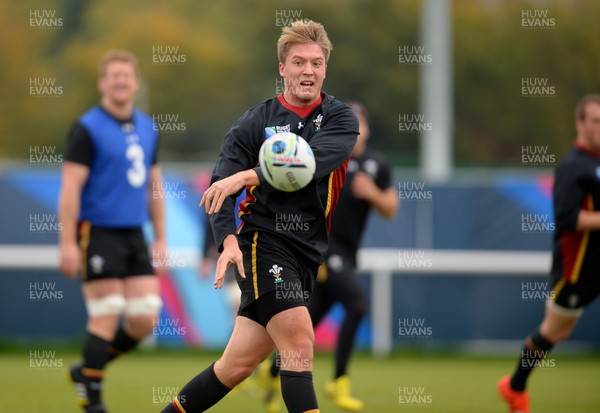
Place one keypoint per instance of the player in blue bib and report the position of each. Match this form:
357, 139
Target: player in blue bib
111, 185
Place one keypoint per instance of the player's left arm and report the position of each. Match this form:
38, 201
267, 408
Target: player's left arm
156, 208
588, 220
385, 201
334, 142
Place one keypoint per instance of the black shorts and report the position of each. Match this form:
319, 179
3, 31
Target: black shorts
113, 252
276, 278
576, 293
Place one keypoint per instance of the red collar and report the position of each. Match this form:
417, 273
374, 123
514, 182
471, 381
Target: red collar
586, 150
302, 111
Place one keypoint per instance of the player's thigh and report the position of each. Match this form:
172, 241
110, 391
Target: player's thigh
103, 287
291, 328
141, 286
248, 345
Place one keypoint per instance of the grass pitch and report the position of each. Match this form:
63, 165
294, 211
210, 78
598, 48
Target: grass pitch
143, 382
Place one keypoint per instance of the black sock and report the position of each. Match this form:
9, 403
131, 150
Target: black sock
201, 393
536, 347
95, 357
275, 364
122, 343
298, 391
346, 340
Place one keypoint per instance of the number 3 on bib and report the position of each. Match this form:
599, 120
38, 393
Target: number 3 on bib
136, 174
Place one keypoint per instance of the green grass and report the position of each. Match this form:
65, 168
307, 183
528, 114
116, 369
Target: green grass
453, 383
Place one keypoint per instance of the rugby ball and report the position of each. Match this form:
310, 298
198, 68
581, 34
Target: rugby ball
287, 161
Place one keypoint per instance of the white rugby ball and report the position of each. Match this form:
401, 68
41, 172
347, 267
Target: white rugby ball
287, 161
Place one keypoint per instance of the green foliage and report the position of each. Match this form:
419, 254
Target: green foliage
230, 65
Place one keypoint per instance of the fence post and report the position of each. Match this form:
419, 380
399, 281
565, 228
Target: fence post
381, 316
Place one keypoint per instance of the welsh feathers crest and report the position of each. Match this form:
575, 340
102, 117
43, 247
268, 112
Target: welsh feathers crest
276, 271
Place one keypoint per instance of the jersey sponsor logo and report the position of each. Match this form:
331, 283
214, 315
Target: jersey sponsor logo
272, 130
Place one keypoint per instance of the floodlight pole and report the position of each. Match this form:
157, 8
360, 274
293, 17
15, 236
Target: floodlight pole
435, 91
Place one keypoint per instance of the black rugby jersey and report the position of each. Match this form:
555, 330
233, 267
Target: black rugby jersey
351, 213
576, 187
302, 218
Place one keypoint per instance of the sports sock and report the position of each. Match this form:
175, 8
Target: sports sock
536, 347
298, 391
346, 342
201, 393
95, 357
122, 343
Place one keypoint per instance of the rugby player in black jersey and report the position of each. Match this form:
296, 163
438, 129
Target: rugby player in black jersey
266, 259
575, 273
368, 185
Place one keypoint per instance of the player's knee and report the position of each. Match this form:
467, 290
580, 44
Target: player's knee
233, 374
147, 305
241, 373
141, 313
109, 305
300, 350
559, 335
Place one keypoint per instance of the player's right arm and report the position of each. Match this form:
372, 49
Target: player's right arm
232, 172
75, 172
74, 176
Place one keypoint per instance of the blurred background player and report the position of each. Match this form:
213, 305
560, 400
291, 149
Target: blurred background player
368, 185
108, 175
265, 258
575, 272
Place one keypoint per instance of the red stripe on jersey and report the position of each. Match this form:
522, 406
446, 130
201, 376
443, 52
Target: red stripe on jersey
178, 406
302, 111
571, 244
337, 182
243, 207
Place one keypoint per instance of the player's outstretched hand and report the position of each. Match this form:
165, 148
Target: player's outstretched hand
70, 259
217, 193
231, 255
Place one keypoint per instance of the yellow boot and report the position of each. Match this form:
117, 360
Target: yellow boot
270, 387
339, 391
